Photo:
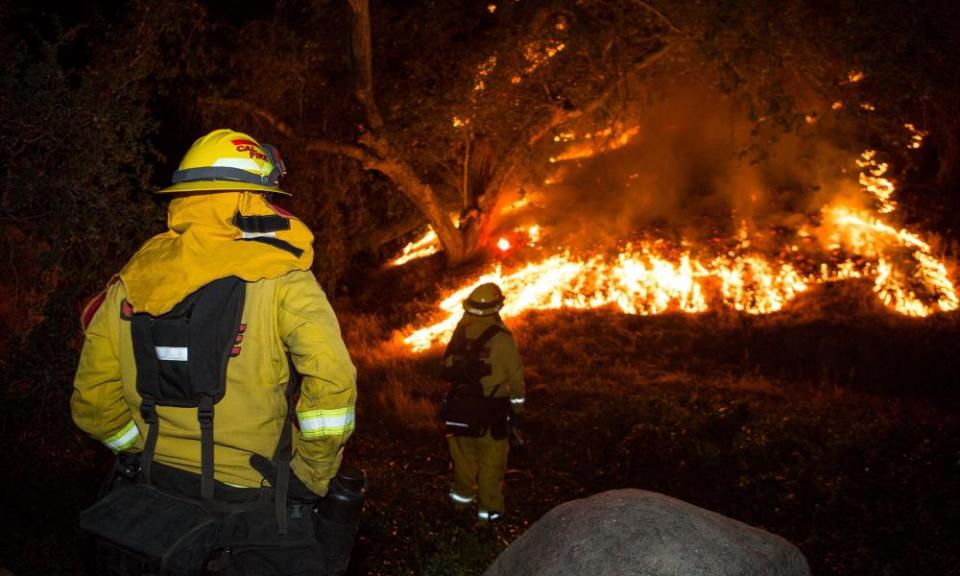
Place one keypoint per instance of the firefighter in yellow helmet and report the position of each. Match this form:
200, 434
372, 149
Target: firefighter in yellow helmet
486, 399
189, 368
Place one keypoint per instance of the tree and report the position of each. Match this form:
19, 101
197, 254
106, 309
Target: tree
478, 88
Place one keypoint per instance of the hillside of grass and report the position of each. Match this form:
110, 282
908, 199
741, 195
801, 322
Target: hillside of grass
833, 424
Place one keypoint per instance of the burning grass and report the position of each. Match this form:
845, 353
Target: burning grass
852, 236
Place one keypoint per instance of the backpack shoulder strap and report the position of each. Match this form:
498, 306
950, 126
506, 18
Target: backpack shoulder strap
284, 450
458, 342
475, 346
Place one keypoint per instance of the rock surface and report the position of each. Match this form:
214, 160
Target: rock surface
634, 532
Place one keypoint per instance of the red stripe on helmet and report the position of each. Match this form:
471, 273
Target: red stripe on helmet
242, 141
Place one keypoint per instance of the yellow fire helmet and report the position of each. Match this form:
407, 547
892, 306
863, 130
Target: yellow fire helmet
485, 299
227, 160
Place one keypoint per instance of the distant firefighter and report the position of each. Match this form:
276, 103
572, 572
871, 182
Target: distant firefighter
484, 403
199, 357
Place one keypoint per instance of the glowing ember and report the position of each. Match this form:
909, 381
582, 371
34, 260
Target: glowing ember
503, 244
593, 144
424, 246
534, 234
916, 136
483, 71
872, 180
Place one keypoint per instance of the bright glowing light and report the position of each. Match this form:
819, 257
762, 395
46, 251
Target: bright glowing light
652, 277
534, 234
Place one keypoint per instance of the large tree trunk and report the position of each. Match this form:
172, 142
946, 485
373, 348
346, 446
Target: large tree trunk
387, 160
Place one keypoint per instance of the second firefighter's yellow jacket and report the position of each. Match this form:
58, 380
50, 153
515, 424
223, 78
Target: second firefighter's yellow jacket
281, 314
506, 367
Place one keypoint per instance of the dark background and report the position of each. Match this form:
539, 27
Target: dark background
99, 99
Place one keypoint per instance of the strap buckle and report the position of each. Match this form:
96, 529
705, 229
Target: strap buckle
148, 410
205, 413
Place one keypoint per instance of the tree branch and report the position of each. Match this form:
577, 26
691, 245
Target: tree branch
561, 115
358, 153
363, 155
363, 59
252, 109
660, 15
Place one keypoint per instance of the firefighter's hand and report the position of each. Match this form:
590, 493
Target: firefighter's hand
296, 489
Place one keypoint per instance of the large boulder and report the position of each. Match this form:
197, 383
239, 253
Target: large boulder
634, 532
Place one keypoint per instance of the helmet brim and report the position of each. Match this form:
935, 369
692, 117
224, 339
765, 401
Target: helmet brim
219, 186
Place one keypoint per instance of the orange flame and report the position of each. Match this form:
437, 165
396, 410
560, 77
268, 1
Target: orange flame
647, 278
424, 246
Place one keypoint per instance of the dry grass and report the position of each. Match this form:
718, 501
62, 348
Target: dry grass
393, 382
830, 424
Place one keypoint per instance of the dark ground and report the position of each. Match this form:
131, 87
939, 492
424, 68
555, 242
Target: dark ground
839, 432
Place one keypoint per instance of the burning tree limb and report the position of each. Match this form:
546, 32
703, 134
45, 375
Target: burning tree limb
499, 109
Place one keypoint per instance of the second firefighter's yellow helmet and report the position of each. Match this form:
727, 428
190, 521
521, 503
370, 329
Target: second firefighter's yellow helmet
485, 299
228, 160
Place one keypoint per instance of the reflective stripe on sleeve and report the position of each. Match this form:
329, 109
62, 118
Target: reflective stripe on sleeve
516, 401
123, 439
317, 423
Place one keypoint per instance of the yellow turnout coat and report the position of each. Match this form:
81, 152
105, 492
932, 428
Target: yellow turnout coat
285, 311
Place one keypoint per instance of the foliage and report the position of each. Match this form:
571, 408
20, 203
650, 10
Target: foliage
78, 164
858, 70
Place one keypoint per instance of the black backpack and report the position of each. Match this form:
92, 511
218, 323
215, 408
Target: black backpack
464, 410
137, 527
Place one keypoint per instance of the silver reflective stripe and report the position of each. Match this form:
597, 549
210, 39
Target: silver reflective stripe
326, 422
481, 311
173, 353
123, 439
457, 424
461, 499
516, 401
484, 515
259, 234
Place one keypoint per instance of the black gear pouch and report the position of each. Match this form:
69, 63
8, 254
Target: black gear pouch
464, 415
139, 529
498, 410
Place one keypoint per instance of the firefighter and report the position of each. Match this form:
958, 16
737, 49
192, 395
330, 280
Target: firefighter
225, 235
483, 365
